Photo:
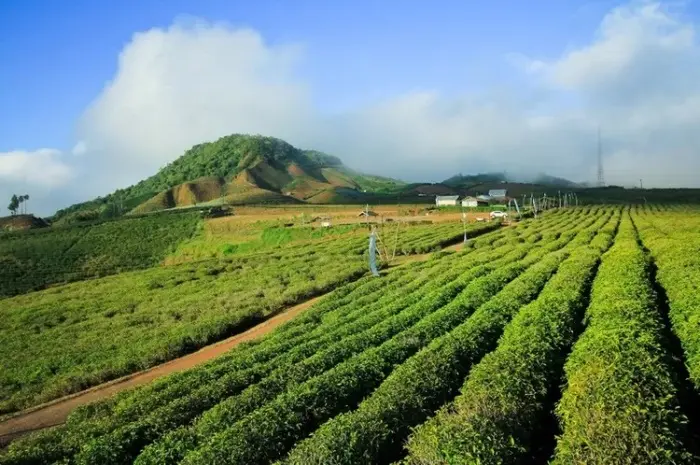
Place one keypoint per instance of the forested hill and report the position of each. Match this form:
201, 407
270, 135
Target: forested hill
237, 169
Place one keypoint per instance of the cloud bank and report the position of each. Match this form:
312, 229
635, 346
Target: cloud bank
639, 79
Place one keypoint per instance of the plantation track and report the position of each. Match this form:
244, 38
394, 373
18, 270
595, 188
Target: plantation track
55, 412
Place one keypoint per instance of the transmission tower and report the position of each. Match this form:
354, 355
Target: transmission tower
601, 176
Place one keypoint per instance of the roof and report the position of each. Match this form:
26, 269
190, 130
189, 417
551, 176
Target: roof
484, 197
446, 197
469, 197
367, 213
497, 192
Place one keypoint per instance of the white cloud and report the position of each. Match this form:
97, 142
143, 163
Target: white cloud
43, 168
639, 79
191, 83
80, 148
40, 173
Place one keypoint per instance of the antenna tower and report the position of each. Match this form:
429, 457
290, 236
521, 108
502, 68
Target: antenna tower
601, 177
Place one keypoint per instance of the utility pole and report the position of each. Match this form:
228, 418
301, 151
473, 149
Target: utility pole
641, 186
601, 176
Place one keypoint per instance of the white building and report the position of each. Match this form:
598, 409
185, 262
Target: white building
473, 202
447, 200
498, 194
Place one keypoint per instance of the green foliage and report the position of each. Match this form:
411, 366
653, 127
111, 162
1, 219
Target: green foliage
14, 204
620, 403
418, 240
31, 260
266, 433
390, 349
285, 376
101, 329
376, 430
223, 158
325, 324
503, 401
673, 240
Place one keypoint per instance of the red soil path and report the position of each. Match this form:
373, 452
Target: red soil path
55, 412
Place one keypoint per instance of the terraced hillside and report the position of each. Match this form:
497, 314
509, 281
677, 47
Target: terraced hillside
570, 338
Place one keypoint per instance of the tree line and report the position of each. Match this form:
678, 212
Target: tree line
16, 204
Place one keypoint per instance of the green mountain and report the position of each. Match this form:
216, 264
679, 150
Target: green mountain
238, 169
469, 181
465, 181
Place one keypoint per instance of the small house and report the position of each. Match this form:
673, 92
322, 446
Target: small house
446, 200
498, 194
472, 202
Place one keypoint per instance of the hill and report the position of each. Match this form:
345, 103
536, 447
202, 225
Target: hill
237, 169
472, 181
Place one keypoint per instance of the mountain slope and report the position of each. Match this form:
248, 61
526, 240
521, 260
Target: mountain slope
236, 169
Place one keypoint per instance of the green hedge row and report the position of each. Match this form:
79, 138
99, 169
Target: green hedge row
95, 421
128, 407
674, 243
226, 413
271, 430
301, 326
134, 436
503, 402
81, 432
620, 403
374, 433
445, 235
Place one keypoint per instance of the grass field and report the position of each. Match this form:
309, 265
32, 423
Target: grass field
571, 338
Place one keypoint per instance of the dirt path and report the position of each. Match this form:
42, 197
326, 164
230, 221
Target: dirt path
55, 412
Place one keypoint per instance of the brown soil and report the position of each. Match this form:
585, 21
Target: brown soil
21, 222
55, 412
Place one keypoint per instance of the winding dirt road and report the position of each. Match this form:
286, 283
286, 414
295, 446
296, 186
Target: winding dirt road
55, 412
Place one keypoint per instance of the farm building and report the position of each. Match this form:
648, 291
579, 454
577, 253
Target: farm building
473, 202
498, 194
484, 198
446, 200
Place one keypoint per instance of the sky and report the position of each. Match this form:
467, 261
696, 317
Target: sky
96, 96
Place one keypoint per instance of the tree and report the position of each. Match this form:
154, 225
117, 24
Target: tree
14, 204
25, 198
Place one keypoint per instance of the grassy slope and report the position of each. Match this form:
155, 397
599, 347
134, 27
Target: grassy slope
32, 260
53, 342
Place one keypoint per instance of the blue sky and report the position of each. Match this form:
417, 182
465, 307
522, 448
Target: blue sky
58, 55
471, 85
